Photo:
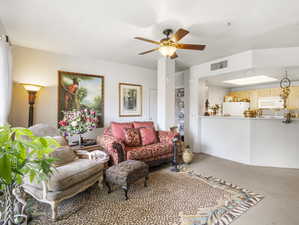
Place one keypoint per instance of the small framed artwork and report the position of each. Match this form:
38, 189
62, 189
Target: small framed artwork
130, 100
77, 91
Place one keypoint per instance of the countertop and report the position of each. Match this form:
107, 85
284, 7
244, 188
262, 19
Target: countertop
246, 118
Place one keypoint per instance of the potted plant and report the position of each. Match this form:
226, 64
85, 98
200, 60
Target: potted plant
78, 122
21, 154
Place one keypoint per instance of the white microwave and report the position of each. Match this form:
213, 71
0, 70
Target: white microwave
275, 102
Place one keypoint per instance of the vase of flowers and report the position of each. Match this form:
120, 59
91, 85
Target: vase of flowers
78, 122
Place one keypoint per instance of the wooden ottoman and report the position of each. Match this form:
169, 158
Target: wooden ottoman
126, 173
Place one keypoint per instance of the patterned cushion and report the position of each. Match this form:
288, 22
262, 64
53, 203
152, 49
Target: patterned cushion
126, 172
148, 135
118, 129
139, 153
149, 151
143, 124
159, 149
107, 131
166, 136
132, 137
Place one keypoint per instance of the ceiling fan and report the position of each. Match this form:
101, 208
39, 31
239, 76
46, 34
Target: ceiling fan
169, 45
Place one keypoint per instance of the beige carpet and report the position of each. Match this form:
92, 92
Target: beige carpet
170, 198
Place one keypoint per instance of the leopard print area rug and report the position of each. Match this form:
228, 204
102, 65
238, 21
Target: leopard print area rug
183, 198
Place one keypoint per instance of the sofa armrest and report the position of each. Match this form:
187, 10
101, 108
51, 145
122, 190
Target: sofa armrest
114, 147
45, 189
168, 137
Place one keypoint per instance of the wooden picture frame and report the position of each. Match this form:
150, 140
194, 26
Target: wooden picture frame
130, 100
80, 91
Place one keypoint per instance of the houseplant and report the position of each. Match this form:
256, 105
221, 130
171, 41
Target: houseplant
78, 122
21, 154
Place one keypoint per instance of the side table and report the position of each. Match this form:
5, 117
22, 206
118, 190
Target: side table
93, 152
87, 148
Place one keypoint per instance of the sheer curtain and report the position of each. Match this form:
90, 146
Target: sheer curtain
5, 80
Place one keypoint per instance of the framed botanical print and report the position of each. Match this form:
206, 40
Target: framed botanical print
81, 91
130, 100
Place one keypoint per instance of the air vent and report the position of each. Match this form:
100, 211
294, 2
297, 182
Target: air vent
219, 65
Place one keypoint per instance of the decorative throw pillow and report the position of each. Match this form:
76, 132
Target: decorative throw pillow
63, 156
143, 124
132, 137
148, 135
118, 130
60, 140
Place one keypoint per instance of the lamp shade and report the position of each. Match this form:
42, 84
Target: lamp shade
32, 87
167, 50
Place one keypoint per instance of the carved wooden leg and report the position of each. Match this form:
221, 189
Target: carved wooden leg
108, 186
126, 189
54, 210
145, 181
100, 182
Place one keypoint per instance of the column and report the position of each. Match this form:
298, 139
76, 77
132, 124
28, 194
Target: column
5, 80
166, 93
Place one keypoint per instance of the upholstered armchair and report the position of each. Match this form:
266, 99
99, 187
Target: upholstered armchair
72, 174
153, 154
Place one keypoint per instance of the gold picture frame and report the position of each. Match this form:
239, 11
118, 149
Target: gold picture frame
88, 93
130, 100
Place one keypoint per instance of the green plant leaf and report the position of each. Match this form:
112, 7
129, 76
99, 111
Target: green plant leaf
43, 141
5, 169
32, 175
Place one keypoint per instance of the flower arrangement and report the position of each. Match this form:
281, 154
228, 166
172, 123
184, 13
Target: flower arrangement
77, 122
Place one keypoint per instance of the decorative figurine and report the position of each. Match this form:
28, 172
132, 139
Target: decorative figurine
207, 108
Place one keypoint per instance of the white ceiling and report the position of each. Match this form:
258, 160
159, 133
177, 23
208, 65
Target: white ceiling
104, 29
277, 73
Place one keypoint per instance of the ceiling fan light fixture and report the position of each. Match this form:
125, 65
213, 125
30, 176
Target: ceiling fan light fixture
167, 50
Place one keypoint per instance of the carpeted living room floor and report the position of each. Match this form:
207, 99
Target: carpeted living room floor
279, 186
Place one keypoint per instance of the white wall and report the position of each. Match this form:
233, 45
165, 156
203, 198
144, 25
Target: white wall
40, 67
2, 29
237, 62
276, 57
179, 79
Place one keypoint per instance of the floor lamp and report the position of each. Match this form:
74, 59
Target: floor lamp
32, 89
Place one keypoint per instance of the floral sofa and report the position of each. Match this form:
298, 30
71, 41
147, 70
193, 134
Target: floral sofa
152, 152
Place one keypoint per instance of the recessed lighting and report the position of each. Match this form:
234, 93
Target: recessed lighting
251, 80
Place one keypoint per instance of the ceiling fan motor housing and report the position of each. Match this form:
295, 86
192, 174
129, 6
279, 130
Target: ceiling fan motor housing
169, 44
167, 32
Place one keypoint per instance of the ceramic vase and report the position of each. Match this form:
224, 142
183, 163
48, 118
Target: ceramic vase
187, 155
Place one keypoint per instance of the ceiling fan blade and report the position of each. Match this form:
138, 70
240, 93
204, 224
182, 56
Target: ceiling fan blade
179, 35
147, 40
149, 51
190, 46
174, 56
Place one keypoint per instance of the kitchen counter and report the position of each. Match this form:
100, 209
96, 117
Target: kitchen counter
253, 141
245, 118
